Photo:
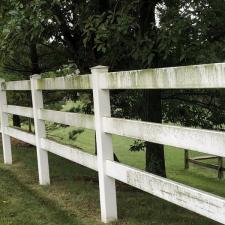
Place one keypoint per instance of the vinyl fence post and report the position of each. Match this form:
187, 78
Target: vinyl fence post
40, 132
104, 146
6, 140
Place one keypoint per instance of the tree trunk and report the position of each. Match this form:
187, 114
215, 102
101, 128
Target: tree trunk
16, 121
152, 109
155, 160
34, 58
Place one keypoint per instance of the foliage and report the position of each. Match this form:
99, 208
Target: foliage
118, 26
196, 108
193, 32
79, 106
64, 70
75, 133
83, 105
137, 146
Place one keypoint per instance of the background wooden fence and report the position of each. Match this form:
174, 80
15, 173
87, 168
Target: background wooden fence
199, 161
101, 82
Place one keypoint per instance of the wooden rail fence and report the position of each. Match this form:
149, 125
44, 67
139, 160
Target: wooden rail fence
199, 161
101, 82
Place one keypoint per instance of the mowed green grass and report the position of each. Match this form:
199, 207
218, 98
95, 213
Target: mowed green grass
73, 198
205, 179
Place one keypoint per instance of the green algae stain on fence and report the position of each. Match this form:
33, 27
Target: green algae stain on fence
68, 82
23, 85
3, 86
197, 76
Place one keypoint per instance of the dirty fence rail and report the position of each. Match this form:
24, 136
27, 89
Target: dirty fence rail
101, 82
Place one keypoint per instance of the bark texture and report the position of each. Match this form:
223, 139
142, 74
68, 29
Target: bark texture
152, 110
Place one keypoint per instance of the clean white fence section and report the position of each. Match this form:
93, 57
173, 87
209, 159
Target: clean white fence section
20, 135
18, 110
71, 154
206, 141
72, 119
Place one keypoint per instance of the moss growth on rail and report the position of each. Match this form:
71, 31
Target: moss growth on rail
67, 82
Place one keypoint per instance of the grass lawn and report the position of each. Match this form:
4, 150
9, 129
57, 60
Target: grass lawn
72, 198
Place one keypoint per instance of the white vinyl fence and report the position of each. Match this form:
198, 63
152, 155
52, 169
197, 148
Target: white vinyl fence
101, 81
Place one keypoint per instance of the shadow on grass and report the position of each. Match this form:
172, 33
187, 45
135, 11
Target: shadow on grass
38, 208
81, 187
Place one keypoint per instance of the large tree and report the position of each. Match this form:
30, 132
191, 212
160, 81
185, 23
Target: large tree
124, 35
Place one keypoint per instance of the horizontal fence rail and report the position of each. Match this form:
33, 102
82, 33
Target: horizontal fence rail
20, 135
101, 82
70, 153
195, 200
206, 141
23, 85
205, 165
79, 82
186, 77
72, 119
18, 110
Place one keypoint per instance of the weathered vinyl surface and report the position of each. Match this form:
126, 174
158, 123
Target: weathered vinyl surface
211, 142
